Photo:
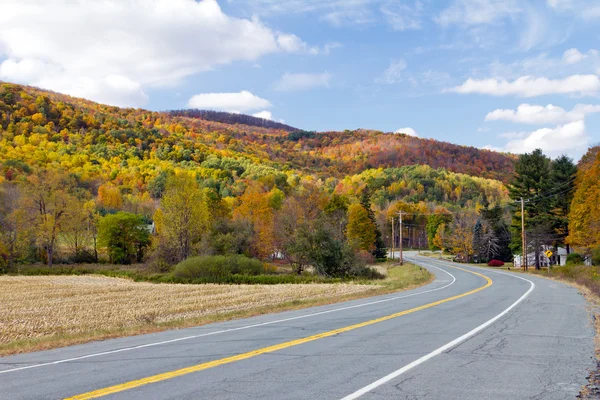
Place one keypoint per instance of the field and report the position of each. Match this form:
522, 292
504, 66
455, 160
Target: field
51, 311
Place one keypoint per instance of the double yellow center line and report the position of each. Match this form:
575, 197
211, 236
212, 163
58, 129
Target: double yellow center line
227, 360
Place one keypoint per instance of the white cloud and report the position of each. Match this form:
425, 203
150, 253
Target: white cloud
591, 13
569, 139
528, 86
264, 115
408, 131
393, 74
302, 81
492, 148
561, 4
243, 101
477, 12
112, 50
574, 56
402, 17
540, 115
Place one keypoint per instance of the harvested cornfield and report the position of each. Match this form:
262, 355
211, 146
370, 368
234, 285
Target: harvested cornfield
40, 307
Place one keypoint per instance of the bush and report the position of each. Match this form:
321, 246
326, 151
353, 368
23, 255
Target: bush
495, 263
218, 267
574, 259
364, 272
596, 256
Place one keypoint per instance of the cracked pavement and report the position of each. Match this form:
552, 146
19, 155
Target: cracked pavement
542, 349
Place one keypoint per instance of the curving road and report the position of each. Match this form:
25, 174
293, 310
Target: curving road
471, 334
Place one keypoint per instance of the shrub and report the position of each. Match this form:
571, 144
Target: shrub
574, 259
218, 267
496, 263
365, 272
596, 256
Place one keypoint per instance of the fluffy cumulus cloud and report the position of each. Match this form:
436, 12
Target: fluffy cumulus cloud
407, 131
574, 56
570, 138
540, 115
110, 50
302, 81
239, 102
529, 86
477, 12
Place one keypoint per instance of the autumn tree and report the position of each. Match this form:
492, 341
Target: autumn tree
379, 249
184, 216
15, 230
584, 214
255, 207
562, 175
460, 239
360, 229
440, 216
301, 213
440, 240
109, 197
125, 237
78, 231
48, 203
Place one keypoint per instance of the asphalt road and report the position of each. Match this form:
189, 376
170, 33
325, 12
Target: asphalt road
482, 335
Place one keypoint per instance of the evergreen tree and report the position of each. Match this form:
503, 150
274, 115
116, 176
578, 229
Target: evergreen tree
532, 182
478, 239
380, 251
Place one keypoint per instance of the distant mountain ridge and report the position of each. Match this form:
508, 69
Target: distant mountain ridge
231, 118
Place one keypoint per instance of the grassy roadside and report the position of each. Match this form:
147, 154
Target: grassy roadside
398, 278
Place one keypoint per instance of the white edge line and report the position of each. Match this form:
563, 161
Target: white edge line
226, 330
440, 350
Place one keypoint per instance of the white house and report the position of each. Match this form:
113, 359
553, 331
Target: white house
558, 258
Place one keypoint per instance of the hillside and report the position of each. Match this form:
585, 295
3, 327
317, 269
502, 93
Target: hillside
133, 149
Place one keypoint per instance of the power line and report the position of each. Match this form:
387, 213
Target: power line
549, 193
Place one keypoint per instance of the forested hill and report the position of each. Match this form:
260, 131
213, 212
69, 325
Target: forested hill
232, 118
26, 110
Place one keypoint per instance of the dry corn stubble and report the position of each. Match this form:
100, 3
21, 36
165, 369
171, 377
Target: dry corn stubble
46, 306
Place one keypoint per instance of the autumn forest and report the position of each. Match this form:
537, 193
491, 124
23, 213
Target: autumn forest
82, 182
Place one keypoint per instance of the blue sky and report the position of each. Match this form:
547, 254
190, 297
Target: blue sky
507, 75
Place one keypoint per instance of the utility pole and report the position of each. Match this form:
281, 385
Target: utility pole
523, 237
393, 239
401, 244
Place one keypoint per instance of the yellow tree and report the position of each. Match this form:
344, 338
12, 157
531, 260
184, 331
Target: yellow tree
109, 196
15, 232
183, 216
460, 239
361, 229
48, 203
440, 238
77, 234
255, 207
584, 216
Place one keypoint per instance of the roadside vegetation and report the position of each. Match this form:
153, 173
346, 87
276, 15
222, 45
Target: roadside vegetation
42, 312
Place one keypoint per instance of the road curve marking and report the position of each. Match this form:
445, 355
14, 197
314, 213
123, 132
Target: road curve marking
227, 360
445, 347
163, 342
